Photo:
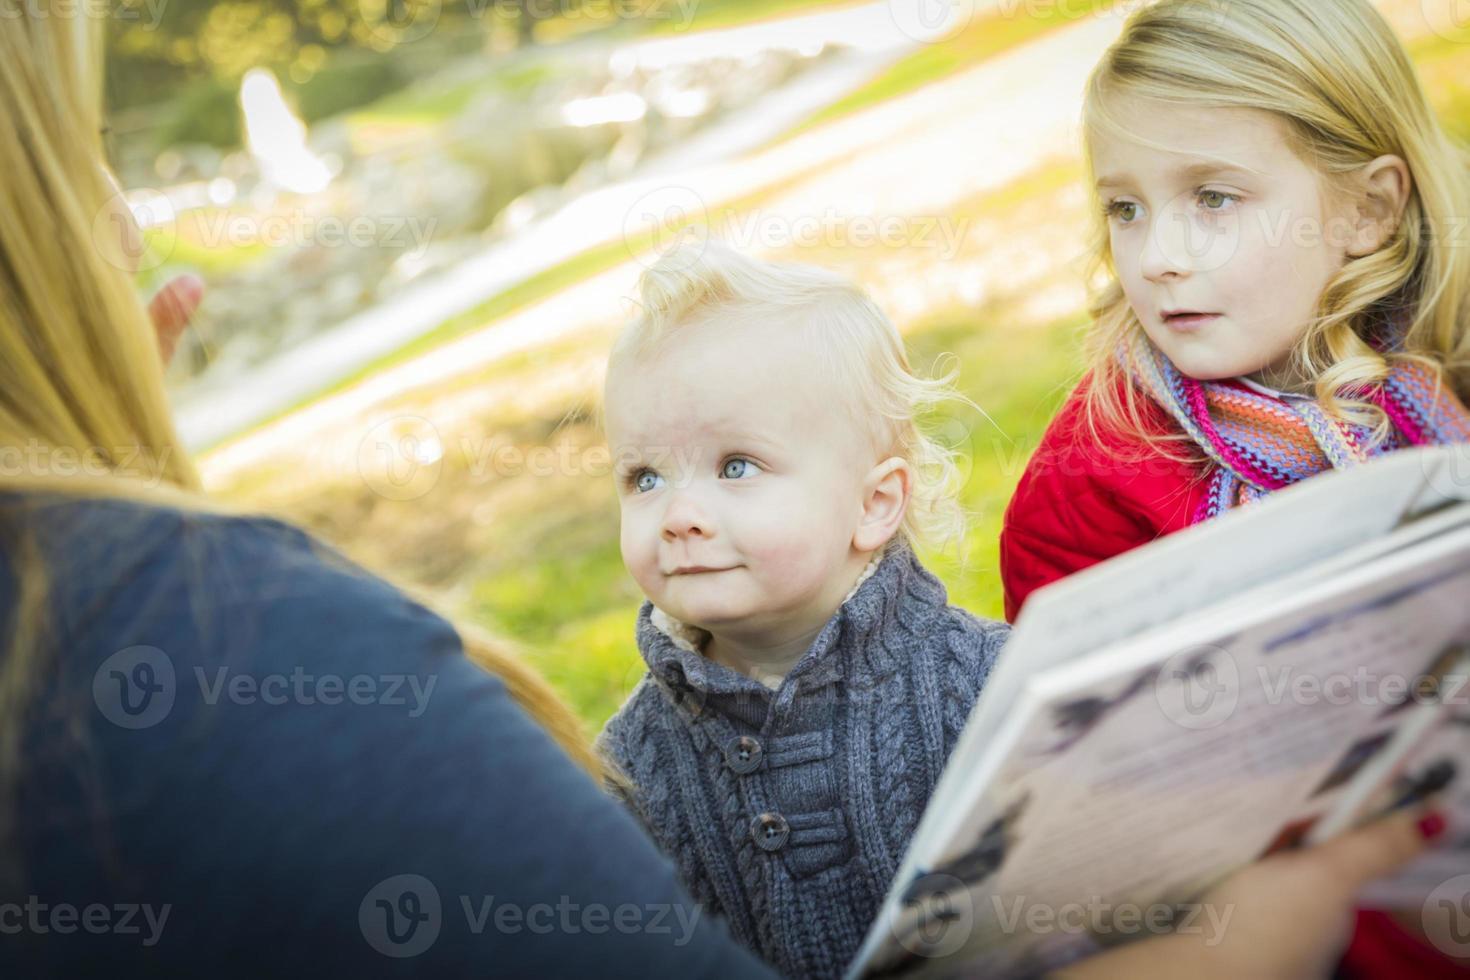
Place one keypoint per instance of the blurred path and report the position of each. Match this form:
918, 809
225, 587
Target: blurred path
215, 408
912, 156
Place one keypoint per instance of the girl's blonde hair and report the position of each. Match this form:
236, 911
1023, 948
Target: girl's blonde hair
701, 280
83, 411
1341, 80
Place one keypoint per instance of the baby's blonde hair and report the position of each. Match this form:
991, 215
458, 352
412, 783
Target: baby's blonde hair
698, 281
1341, 80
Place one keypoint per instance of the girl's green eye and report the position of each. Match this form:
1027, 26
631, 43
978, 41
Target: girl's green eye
1214, 200
737, 468
1125, 211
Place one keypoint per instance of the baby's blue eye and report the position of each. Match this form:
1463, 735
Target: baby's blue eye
646, 480
737, 468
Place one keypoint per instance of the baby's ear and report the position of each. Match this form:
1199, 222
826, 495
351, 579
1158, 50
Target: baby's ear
886, 491
1381, 198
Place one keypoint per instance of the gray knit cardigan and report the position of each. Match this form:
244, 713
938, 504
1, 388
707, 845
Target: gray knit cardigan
787, 811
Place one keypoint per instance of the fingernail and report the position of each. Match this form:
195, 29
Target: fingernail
1431, 825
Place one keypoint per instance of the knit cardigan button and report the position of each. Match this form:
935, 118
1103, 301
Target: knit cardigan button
770, 831
743, 754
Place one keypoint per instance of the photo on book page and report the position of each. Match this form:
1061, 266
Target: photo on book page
1440, 767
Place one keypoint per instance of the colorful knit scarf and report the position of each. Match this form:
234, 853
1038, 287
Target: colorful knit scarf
1262, 443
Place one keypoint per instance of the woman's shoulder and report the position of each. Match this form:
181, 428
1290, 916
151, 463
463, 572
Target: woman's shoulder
212, 585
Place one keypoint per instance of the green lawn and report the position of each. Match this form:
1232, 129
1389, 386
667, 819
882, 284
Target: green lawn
716, 14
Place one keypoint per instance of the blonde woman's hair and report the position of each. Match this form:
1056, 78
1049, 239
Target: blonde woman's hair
83, 411
1339, 78
704, 280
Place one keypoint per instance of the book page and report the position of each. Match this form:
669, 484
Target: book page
1312, 529
1135, 778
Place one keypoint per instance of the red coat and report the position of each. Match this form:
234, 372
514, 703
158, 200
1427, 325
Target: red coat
1082, 501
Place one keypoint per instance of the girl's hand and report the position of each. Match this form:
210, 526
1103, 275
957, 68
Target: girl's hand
174, 304
1290, 915
172, 308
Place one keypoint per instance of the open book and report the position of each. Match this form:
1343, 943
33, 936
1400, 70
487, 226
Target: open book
1156, 722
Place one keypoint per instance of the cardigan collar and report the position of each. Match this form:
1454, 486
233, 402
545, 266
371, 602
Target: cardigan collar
672, 649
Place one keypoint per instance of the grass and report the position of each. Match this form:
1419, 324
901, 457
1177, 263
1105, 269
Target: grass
1444, 67
719, 14
431, 104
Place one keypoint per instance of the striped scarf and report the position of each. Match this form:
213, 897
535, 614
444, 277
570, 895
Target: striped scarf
1260, 443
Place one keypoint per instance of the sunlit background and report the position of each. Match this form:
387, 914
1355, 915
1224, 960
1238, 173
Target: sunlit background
420, 223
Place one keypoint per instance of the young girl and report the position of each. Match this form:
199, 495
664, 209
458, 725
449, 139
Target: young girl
806, 678
1286, 268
